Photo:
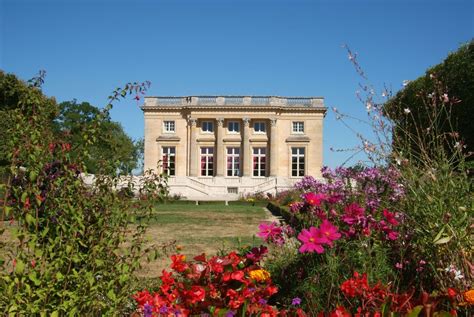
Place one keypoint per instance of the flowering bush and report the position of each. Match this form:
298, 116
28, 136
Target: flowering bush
228, 285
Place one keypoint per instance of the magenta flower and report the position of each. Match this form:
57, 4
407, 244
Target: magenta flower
313, 199
329, 231
390, 216
353, 213
312, 241
269, 231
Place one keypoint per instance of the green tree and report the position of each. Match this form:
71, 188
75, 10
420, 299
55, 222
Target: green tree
449, 84
112, 144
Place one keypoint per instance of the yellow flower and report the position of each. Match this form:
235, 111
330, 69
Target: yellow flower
259, 275
469, 296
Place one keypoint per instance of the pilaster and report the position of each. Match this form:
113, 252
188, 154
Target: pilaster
246, 155
220, 151
193, 149
273, 147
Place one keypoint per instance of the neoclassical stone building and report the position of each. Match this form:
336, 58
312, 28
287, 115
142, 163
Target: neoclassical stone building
226, 146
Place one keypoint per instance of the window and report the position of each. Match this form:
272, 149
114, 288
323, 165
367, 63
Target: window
259, 127
232, 190
233, 127
169, 126
233, 161
168, 154
207, 161
298, 127
297, 161
207, 126
259, 161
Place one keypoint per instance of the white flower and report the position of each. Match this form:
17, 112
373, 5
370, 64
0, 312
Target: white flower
368, 105
407, 110
399, 161
457, 275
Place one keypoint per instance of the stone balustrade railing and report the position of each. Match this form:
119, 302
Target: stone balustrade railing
235, 101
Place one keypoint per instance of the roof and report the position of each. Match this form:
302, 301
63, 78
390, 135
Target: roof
160, 102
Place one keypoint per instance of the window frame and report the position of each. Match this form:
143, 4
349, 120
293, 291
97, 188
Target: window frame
233, 158
300, 159
209, 124
297, 124
257, 161
168, 157
263, 124
165, 126
208, 156
235, 124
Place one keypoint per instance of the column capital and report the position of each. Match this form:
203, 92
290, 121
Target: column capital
273, 122
192, 121
246, 121
220, 122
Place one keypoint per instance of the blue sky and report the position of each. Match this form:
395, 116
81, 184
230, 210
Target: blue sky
226, 47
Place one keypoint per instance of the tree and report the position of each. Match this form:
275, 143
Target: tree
449, 84
113, 143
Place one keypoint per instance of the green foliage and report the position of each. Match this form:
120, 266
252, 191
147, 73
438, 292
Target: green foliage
17, 95
456, 73
112, 143
440, 209
75, 247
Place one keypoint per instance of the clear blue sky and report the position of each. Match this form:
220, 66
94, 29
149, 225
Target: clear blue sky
293, 48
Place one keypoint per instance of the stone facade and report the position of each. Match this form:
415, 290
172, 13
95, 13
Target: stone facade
223, 147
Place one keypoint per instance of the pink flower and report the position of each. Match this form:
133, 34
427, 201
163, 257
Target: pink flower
313, 199
312, 241
329, 231
392, 235
269, 231
353, 213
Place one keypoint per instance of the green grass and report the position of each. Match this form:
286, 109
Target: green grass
206, 228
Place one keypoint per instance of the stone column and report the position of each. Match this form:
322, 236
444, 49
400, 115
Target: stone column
220, 154
246, 155
273, 148
193, 149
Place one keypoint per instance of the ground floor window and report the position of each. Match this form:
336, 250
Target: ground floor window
259, 161
168, 156
233, 161
297, 161
207, 161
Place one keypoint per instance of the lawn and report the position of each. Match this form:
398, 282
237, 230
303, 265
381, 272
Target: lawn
206, 228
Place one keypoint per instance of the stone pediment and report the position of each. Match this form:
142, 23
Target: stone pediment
168, 138
298, 138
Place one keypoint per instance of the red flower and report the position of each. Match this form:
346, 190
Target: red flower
143, 297
451, 293
178, 263
340, 312
196, 294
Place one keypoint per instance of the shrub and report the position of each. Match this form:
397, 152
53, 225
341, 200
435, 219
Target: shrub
75, 247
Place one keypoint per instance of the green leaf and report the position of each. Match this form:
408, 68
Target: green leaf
32, 276
30, 219
415, 311
443, 240
111, 295
33, 176
19, 267
55, 314
24, 196
440, 233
